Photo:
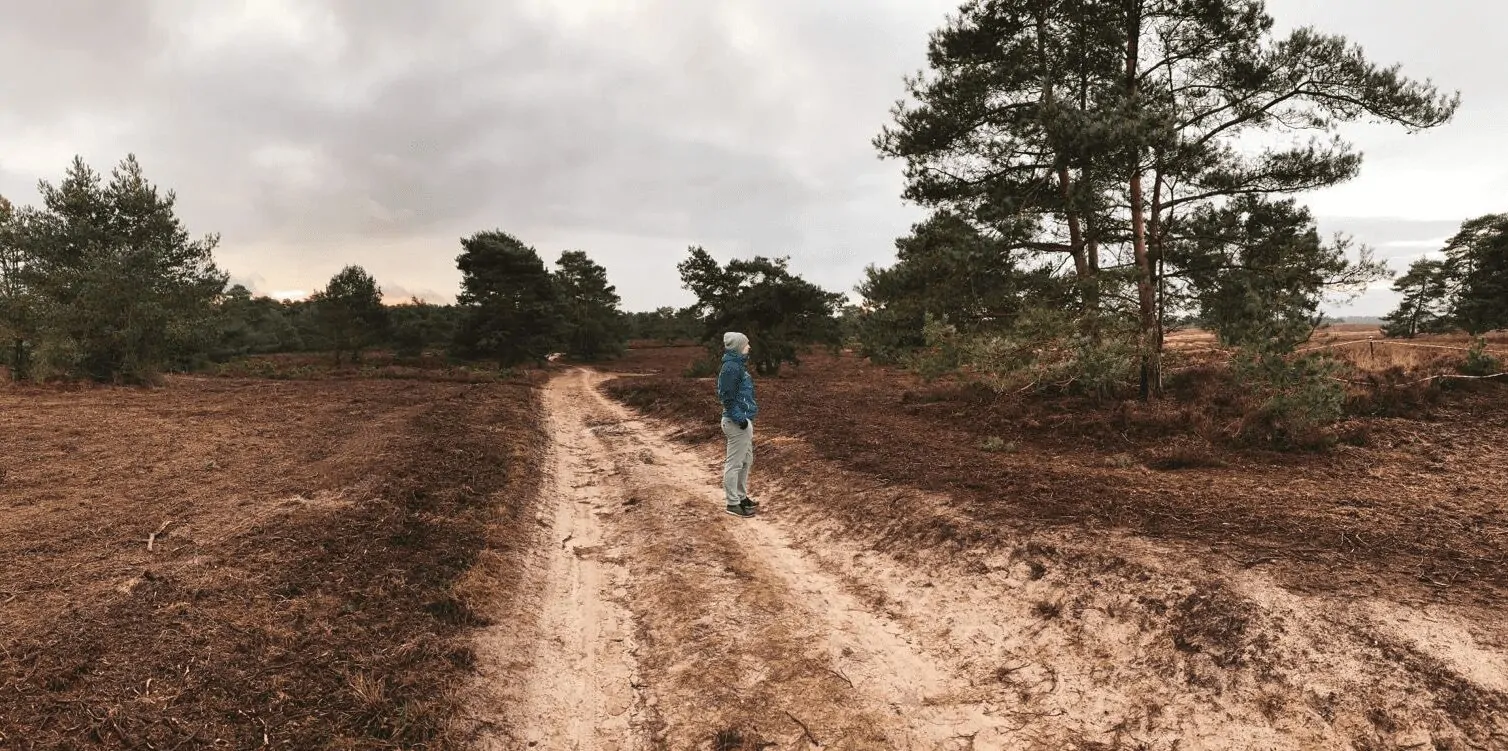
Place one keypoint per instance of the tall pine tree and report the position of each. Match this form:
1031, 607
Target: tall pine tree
120, 285
1097, 130
594, 327
510, 306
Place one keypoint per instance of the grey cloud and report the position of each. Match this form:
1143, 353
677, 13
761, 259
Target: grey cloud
312, 134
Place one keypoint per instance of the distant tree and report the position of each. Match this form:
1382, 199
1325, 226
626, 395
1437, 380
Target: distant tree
419, 325
17, 308
304, 318
509, 300
350, 311
1468, 288
949, 270
666, 324
1424, 307
250, 325
1257, 271
594, 327
1476, 267
762, 298
119, 284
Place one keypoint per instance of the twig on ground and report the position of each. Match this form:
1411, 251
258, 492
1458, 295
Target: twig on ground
840, 674
1248, 563
804, 729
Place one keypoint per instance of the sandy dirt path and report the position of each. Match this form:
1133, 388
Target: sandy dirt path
660, 622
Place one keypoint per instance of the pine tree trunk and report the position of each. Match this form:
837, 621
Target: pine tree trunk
1145, 292
1075, 229
1065, 181
18, 364
1150, 361
1155, 238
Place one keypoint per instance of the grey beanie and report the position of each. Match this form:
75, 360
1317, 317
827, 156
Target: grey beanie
734, 341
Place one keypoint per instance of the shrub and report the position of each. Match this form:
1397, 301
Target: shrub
1480, 362
410, 339
1294, 401
997, 445
704, 367
1043, 350
942, 354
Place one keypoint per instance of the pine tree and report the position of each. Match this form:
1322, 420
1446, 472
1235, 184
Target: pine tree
510, 303
1477, 266
1257, 271
1096, 130
1424, 307
17, 314
778, 310
349, 310
120, 286
594, 326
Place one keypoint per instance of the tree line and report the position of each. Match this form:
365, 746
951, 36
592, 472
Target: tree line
102, 282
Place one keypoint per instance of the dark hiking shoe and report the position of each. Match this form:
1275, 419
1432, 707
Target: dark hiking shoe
749, 503
741, 510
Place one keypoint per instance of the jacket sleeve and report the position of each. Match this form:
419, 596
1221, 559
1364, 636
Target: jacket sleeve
728, 383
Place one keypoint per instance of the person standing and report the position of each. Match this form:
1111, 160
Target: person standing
735, 389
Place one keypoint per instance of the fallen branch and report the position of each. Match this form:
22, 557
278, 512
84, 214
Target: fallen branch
841, 675
804, 729
152, 538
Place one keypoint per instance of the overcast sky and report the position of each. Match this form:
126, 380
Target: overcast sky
316, 133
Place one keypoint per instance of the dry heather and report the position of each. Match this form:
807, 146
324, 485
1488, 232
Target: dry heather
228, 563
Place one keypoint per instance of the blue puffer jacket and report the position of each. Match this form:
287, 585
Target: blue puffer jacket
735, 388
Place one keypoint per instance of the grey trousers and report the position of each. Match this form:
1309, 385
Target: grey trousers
738, 462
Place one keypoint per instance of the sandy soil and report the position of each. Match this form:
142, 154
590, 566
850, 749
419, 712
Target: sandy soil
660, 622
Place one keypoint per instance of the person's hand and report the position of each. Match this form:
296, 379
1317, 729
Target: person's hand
743, 424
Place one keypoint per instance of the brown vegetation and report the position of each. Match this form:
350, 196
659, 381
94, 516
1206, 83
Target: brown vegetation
234, 563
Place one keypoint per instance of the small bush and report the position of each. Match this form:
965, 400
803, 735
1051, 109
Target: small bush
703, 367
943, 353
1042, 350
996, 445
1480, 362
1294, 400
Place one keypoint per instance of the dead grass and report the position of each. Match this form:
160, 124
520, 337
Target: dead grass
304, 594
305, 366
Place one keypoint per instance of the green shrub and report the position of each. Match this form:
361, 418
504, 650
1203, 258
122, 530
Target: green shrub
1293, 401
1480, 362
997, 445
942, 354
1043, 350
704, 367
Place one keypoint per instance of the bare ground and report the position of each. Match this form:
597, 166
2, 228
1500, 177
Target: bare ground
831, 622
400, 564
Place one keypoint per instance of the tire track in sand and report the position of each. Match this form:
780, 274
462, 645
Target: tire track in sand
572, 671
741, 635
